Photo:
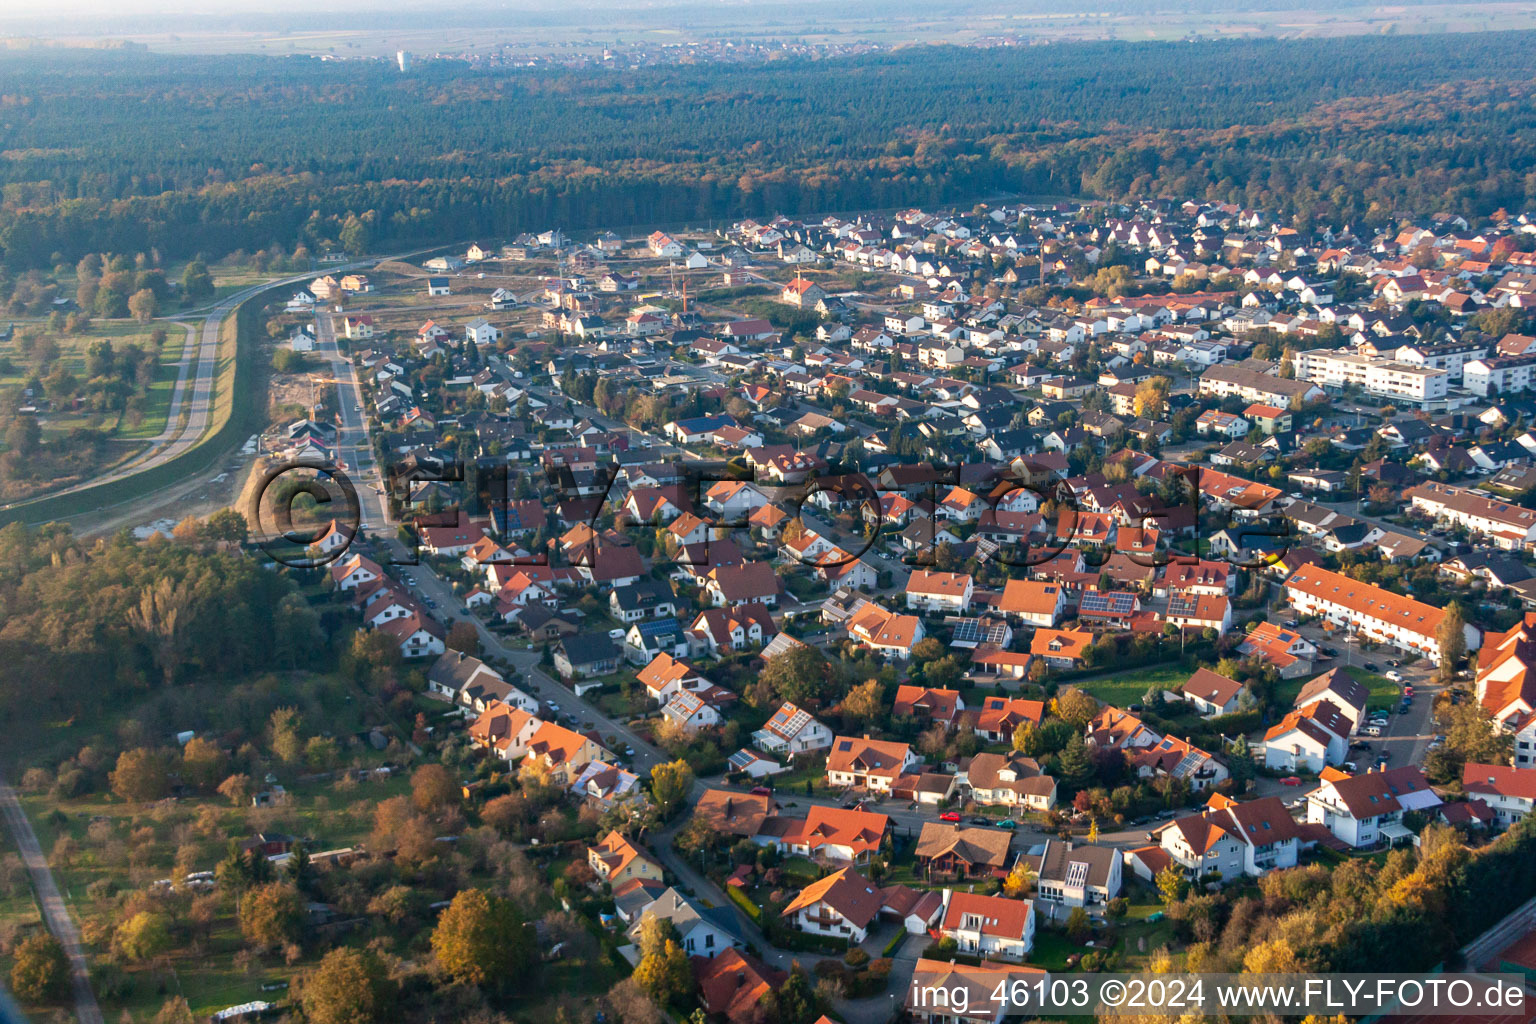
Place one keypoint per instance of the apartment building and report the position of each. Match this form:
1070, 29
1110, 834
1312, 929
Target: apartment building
1370, 610
1387, 378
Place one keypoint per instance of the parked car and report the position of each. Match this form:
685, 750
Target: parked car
1394, 675
1007, 823
615, 634
761, 791
950, 816
1290, 780
981, 821
1408, 690
1371, 666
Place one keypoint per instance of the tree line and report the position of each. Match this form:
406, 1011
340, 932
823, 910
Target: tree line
209, 155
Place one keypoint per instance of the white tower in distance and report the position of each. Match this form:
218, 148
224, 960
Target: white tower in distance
403, 58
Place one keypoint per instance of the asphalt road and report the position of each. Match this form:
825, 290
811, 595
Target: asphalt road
55, 912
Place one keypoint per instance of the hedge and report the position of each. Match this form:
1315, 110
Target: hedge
895, 943
752, 910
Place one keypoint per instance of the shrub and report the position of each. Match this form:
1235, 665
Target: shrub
856, 957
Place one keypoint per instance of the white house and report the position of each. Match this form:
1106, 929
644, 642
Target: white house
1308, 738
1363, 810
991, 927
939, 591
842, 905
480, 331
1509, 792
1233, 839
1077, 876
792, 730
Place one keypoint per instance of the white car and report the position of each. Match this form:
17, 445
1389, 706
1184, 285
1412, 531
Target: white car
615, 634
1394, 675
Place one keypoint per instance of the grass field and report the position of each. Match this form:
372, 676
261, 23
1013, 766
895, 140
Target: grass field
72, 353
1129, 686
1383, 692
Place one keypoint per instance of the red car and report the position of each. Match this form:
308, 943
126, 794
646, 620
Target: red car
1407, 691
1290, 780
950, 816
761, 791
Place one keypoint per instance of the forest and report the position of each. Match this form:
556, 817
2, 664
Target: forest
130, 151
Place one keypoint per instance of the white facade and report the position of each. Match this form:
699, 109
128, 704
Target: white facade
1387, 378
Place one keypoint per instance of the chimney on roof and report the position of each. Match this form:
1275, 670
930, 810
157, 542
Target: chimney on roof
741, 978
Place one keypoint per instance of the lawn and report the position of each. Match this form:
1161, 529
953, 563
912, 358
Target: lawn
72, 353
1128, 687
1052, 947
1382, 692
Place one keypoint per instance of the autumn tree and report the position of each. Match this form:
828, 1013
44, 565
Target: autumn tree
1020, 880
160, 618
349, 986
464, 637
143, 305
202, 763
1451, 636
864, 702
663, 971
143, 936
1078, 925
272, 915
1075, 707
433, 788
141, 775
1171, 885
283, 734
1026, 739
174, 1011
482, 940
236, 789
40, 972
670, 784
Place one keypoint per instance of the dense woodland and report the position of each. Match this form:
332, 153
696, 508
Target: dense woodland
130, 151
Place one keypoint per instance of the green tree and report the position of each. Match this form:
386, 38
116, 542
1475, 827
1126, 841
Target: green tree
670, 784
41, 970
1026, 739
196, 281
1171, 885
227, 525
283, 728
482, 940
143, 936
1078, 925
349, 986
355, 235
1073, 768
